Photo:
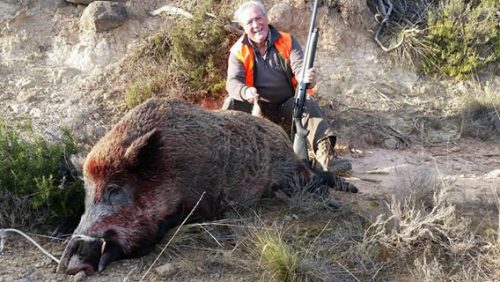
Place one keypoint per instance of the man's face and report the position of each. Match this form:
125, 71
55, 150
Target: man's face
255, 24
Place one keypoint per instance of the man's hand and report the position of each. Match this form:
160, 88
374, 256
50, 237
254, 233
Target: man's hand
310, 77
250, 95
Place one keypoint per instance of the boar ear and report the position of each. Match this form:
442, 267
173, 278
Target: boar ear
143, 150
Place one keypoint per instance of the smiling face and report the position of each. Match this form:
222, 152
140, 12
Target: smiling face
255, 24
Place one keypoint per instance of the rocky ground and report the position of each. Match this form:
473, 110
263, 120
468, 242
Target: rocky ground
55, 74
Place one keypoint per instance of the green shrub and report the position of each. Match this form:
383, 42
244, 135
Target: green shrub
274, 255
138, 93
32, 175
200, 47
188, 61
451, 37
466, 37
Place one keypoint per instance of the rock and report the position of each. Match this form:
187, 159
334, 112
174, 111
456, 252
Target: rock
52, 4
34, 275
493, 174
86, 2
281, 16
103, 15
7, 10
166, 270
391, 143
36, 112
79, 276
18, 108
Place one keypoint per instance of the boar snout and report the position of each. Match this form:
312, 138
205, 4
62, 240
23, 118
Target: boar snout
88, 254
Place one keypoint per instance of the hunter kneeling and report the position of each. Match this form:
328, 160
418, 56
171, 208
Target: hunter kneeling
263, 66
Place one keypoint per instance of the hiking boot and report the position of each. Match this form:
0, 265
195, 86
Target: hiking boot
326, 159
341, 167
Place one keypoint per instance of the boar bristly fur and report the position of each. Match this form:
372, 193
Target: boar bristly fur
145, 175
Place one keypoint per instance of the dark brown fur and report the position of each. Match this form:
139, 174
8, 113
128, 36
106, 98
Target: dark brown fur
145, 174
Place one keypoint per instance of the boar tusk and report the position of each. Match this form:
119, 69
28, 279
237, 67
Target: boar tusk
103, 247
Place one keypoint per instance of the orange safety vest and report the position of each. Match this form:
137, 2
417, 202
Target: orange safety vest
244, 53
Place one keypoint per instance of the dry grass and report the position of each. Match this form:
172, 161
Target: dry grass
433, 243
480, 112
273, 254
420, 236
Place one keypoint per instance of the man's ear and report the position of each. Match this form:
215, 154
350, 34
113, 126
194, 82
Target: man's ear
143, 150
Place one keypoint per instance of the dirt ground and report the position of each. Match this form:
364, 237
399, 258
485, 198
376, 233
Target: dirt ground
49, 72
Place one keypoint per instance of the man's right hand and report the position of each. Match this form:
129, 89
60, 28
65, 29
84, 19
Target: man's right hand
250, 95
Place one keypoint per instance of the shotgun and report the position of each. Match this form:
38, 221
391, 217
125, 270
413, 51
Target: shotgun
299, 132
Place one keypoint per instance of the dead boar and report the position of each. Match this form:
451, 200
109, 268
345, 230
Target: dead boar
149, 171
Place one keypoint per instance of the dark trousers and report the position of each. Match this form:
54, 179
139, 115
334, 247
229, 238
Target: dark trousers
314, 119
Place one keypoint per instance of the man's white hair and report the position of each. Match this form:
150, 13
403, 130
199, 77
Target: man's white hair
241, 9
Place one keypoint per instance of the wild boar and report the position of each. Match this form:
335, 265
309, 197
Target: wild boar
149, 171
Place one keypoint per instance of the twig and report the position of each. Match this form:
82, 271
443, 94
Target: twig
173, 236
171, 10
315, 239
347, 270
377, 172
128, 274
497, 198
384, 97
370, 180
213, 237
3, 233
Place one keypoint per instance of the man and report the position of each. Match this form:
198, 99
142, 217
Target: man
264, 65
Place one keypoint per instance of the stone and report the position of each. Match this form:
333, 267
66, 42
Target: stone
166, 270
53, 4
102, 16
493, 174
281, 16
86, 2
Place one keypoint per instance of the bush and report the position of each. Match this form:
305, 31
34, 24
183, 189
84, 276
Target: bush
33, 180
452, 37
466, 36
275, 256
137, 93
200, 47
187, 61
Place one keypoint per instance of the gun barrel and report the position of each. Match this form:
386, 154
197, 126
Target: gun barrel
312, 50
312, 28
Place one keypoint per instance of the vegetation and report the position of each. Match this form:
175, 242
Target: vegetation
432, 242
277, 258
188, 61
452, 37
480, 116
35, 186
138, 93
466, 37
200, 49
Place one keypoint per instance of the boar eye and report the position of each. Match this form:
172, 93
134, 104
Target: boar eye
115, 195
